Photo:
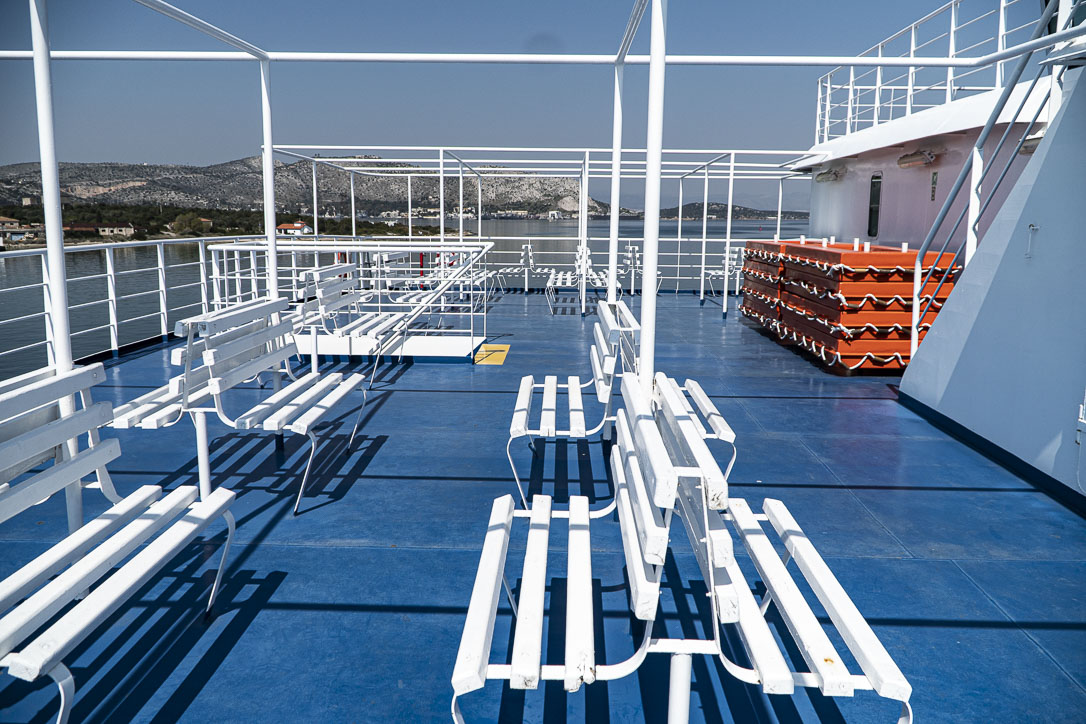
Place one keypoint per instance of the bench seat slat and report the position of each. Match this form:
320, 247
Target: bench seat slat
30, 576
576, 407
281, 417
316, 413
609, 325
52, 597
814, 644
130, 413
758, 640
528, 637
49, 648
252, 418
877, 665
519, 425
580, 631
18, 498
469, 672
550, 404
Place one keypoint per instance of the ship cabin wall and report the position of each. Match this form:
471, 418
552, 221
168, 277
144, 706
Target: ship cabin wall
908, 206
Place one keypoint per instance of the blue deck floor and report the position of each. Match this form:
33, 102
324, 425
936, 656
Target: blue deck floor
974, 580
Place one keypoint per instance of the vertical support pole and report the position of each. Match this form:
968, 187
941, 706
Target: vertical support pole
878, 92
163, 308
953, 41
202, 248
582, 213
50, 187
461, 210
479, 219
268, 175
654, 143
441, 194
829, 109
704, 232
316, 229
911, 76
616, 189
354, 216
818, 114
111, 295
973, 217
216, 278
410, 211
780, 204
678, 697
728, 232
203, 453
679, 237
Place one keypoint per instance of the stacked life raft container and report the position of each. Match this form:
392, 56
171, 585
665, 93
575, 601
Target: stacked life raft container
849, 306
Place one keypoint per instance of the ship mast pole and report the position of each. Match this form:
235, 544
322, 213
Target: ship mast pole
60, 354
654, 144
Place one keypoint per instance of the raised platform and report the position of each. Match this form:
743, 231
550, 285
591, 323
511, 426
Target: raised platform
352, 611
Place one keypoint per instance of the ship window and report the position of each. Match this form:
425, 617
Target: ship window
873, 205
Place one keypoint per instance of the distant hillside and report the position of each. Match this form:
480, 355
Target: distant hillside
720, 211
237, 185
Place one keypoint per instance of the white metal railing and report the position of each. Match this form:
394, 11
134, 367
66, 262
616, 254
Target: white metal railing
976, 169
119, 293
854, 97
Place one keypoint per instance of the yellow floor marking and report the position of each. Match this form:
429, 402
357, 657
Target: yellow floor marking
491, 354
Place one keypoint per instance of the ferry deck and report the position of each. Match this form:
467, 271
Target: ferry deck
974, 579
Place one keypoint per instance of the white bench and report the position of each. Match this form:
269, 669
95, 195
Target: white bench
231, 346
54, 602
662, 468
604, 357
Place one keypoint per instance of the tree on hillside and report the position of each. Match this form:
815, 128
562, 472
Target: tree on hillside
187, 223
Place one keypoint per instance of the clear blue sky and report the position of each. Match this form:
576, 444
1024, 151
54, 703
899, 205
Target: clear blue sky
200, 113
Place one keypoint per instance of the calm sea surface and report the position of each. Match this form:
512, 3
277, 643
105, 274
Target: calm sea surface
679, 264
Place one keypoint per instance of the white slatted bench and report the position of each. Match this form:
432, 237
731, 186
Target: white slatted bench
604, 357
54, 602
662, 468
226, 348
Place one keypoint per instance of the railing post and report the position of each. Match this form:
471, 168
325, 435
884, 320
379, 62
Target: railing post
460, 174
973, 218
704, 230
654, 143
849, 120
1001, 41
202, 249
911, 76
47, 307
818, 114
728, 232
441, 194
780, 203
829, 109
163, 309
953, 41
878, 91
679, 236
216, 278
410, 213
354, 216
111, 303
316, 229
582, 212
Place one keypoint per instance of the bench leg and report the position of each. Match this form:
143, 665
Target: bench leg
230, 526
66, 684
203, 454
509, 455
308, 466
357, 421
678, 698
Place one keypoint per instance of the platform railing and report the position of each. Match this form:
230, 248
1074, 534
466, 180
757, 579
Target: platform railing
851, 98
120, 293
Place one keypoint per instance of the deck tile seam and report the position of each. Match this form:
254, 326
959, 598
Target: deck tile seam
1024, 631
855, 497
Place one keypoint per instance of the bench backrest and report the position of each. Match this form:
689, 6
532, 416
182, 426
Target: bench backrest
43, 417
336, 288
622, 330
661, 465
